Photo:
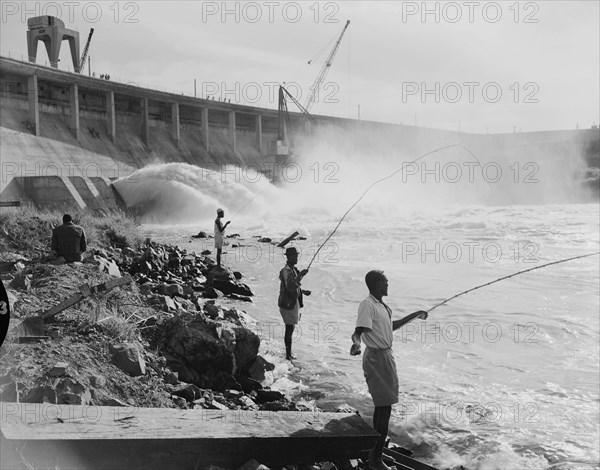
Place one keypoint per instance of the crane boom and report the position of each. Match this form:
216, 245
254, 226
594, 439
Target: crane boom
85, 51
317, 84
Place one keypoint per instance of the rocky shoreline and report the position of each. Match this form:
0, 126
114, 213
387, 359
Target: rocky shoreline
160, 341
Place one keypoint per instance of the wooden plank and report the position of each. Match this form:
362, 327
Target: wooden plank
85, 290
160, 438
119, 281
68, 302
288, 239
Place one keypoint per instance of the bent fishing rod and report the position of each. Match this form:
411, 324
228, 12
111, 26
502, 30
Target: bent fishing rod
509, 276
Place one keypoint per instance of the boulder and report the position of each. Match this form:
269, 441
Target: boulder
207, 353
60, 368
256, 369
10, 392
108, 266
98, 381
246, 401
267, 396
21, 281
128, 358
224, 280
212, 311
253, 465
239, 317
281, 405
210, 293
188, 391
248, 385
42, 394
168, 304
71, 392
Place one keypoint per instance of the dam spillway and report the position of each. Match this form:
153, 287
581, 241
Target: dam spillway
75, 127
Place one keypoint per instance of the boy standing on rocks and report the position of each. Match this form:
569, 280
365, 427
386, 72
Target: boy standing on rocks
219, 230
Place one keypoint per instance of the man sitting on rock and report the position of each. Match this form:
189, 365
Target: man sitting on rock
68, 242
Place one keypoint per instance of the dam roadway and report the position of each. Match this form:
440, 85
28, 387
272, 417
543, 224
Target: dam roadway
76, 128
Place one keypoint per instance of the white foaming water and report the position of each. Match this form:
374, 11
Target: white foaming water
505, 377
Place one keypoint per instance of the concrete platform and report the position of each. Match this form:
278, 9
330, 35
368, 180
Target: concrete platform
89, 437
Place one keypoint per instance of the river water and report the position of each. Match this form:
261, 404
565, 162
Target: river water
504, 377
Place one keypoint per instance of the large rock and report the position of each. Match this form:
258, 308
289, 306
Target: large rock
253, 465
225, 281
42, 394
190, 392
256, 369
100, 259
71, 392
128, 358
205, 352
21, 281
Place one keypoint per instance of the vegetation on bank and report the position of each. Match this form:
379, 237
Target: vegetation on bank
27, 230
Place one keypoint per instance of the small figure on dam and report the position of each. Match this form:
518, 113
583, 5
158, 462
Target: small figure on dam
68, 242
219, 231
290, 297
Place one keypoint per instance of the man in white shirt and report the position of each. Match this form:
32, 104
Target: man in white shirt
219, 231
374, 326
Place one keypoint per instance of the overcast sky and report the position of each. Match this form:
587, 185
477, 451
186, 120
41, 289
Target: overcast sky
475, 65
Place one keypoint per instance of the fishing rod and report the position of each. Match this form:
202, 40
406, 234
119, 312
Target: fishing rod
379, 181
509, 276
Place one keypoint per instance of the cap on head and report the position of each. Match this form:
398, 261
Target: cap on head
220, 211
291, 251
67, 218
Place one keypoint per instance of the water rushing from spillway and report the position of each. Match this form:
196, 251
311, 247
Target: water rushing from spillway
506, 377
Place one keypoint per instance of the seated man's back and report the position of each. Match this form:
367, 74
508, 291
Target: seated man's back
68, 241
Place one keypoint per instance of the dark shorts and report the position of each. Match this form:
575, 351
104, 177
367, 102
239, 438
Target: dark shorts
379, 367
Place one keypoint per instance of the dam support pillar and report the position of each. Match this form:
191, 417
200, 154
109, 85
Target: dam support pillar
34, 104
111, 124
259, 133
145, 123
232, 137
175, 123
74, 107
204, 121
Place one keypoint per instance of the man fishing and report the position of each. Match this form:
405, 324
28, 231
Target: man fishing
290, 297
375, 327
219, 230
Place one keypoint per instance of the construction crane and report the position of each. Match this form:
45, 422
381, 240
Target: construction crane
284, 143
314, 90
85, 51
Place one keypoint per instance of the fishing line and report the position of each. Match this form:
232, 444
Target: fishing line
379, 181
245, 205
509, 276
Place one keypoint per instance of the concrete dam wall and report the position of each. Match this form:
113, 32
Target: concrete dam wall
79, 133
